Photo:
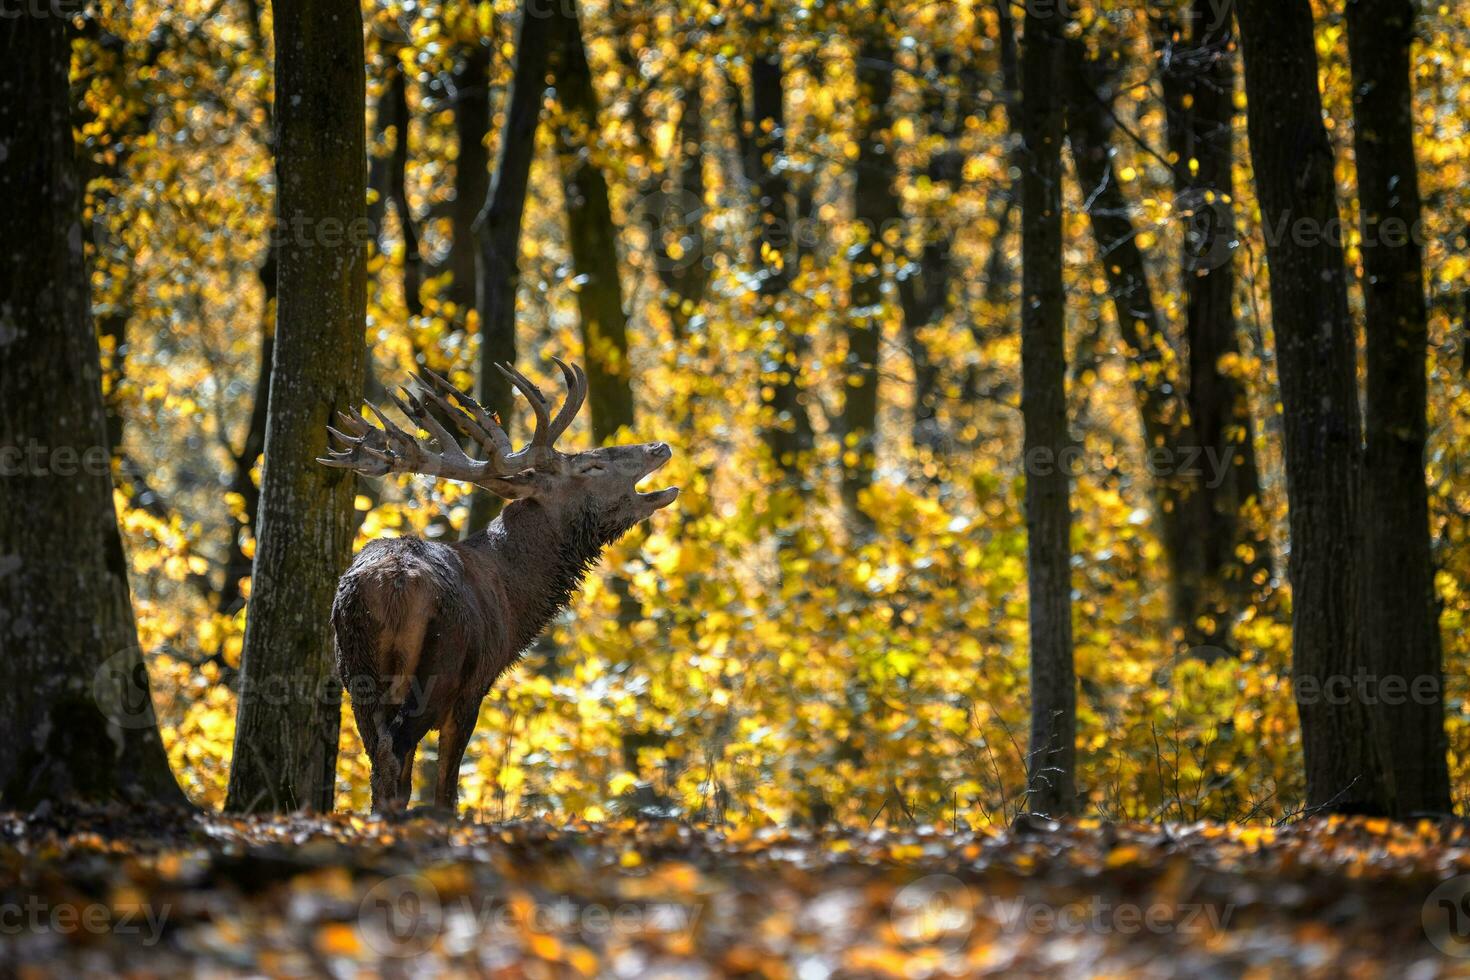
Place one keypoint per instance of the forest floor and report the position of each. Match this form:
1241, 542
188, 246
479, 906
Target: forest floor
166, 894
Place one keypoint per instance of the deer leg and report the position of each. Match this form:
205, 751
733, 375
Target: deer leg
454, 738
405, 776
387, 770
369, 726
387, 757
410, 723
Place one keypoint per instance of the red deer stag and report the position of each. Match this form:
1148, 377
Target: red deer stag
424, 628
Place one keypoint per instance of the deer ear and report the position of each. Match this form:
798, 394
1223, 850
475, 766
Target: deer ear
512, 487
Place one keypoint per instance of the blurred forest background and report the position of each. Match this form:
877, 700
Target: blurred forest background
786, 238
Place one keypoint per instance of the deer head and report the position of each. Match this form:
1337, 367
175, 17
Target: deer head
599, 485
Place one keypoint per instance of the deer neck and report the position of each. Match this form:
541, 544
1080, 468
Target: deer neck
543, 559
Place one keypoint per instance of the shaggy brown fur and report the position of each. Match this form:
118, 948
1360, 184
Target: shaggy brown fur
425, 628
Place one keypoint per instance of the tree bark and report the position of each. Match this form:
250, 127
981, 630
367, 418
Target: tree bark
471, 169
592, 235
875, 206
997, 269
684, 275
1052, 758
674, 211
103, 157
388, 177
114, 326
287, 728
498, 230
923, 286
237, 563
1166, 432
998, 274
1316, 362
788, 430
1400, 617
76, 713
1199, 98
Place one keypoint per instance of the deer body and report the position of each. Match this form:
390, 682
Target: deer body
423, 628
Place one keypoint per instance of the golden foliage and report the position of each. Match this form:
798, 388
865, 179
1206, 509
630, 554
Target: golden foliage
777, 661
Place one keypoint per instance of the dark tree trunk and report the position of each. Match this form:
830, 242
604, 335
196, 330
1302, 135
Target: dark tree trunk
471, 169
103, 159
1316, 362
788, 430
388, 177
1199, 98
76, 714
923, 287
592, 236
286, 733
998, 274
677, 233
875, 205
237, 563
1400, 618
1465, 334
684, 274
997, 267
1166, 433
114, 326
1052, 759
498, 229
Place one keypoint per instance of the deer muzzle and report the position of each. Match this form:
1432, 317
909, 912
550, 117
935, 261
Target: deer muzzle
656, 455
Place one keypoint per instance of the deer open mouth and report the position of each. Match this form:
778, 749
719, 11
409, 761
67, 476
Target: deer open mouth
660, 455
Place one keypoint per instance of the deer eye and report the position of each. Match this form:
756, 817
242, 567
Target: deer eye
591, 469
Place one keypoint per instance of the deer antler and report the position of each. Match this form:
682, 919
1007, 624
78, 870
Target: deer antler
548, 429
576, 394
375, 451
